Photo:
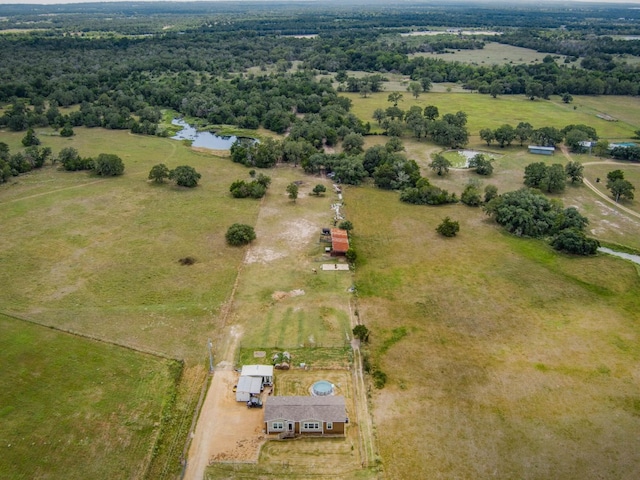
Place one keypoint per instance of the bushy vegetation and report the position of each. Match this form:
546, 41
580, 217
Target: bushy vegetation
239, 234
529, 213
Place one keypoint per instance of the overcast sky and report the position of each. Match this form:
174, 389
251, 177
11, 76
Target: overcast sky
52, 2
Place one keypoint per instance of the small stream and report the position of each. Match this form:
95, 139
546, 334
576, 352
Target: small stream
626, 256
202, 139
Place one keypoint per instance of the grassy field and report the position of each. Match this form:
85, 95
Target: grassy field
486, 112
75, 408
100, 256
499, 338
494, 53
512, 361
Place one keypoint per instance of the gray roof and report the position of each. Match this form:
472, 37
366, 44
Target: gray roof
249, 384
326, 409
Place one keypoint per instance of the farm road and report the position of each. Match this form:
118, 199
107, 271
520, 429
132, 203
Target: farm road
598, 192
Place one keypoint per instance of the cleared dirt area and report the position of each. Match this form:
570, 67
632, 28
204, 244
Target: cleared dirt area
227, 430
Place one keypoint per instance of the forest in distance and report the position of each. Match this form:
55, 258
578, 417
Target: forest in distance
495, 331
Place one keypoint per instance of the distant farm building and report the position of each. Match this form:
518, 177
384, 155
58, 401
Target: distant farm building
538, 150
339, 241
290, 416
253, 379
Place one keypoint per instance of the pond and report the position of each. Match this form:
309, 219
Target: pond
626, 256
202, 139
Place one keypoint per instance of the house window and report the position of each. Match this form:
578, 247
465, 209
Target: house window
329, 425
311, 426
277, 426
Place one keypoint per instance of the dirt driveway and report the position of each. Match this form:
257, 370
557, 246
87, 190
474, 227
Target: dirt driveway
227, 430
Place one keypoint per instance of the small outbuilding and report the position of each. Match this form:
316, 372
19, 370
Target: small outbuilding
539, 150
290, 416
253, 379
339, 241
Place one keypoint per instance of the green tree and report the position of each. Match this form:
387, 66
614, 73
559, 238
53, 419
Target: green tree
614, 175
185, 176
621, 188
239, 234
471, 195
108, 165
496, 89
431, 112
440, 164
351, 256
379, 115
292, 190
353, 143
523, 132
346, 225
567, 98
487, 135
448, 227
482, 164
415, 88
361, 332
394, 97
574, 140
30, 138
66, 131
504, 134
490, 192
555, 179
601, 149
574, 242
533, 90
534, 173
159, 173
575, 171
319, 189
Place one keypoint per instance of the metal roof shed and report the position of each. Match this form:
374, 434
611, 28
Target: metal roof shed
248, 386
538, 150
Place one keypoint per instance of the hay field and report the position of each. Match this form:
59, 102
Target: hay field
517, 362
74, 408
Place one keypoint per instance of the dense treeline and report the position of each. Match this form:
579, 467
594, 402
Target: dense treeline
288, 18
122, 81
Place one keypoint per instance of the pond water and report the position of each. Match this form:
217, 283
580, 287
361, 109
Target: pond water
202, 139
626, 256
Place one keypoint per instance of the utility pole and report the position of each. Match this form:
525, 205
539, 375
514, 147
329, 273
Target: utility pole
210, 345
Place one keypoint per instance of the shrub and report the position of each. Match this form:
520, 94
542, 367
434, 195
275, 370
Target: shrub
239, 234
575, 242
448, 227
108, 165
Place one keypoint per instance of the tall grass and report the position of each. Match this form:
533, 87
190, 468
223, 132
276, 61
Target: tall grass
515, 355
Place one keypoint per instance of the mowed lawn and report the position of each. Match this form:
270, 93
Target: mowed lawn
74, 408
100, 256
504, 359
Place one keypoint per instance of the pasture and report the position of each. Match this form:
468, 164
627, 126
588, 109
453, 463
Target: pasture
515, 352
99, 256
75, 408
483, 111
516, 362
494, 53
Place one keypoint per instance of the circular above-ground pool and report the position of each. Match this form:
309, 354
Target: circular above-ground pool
322, 388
